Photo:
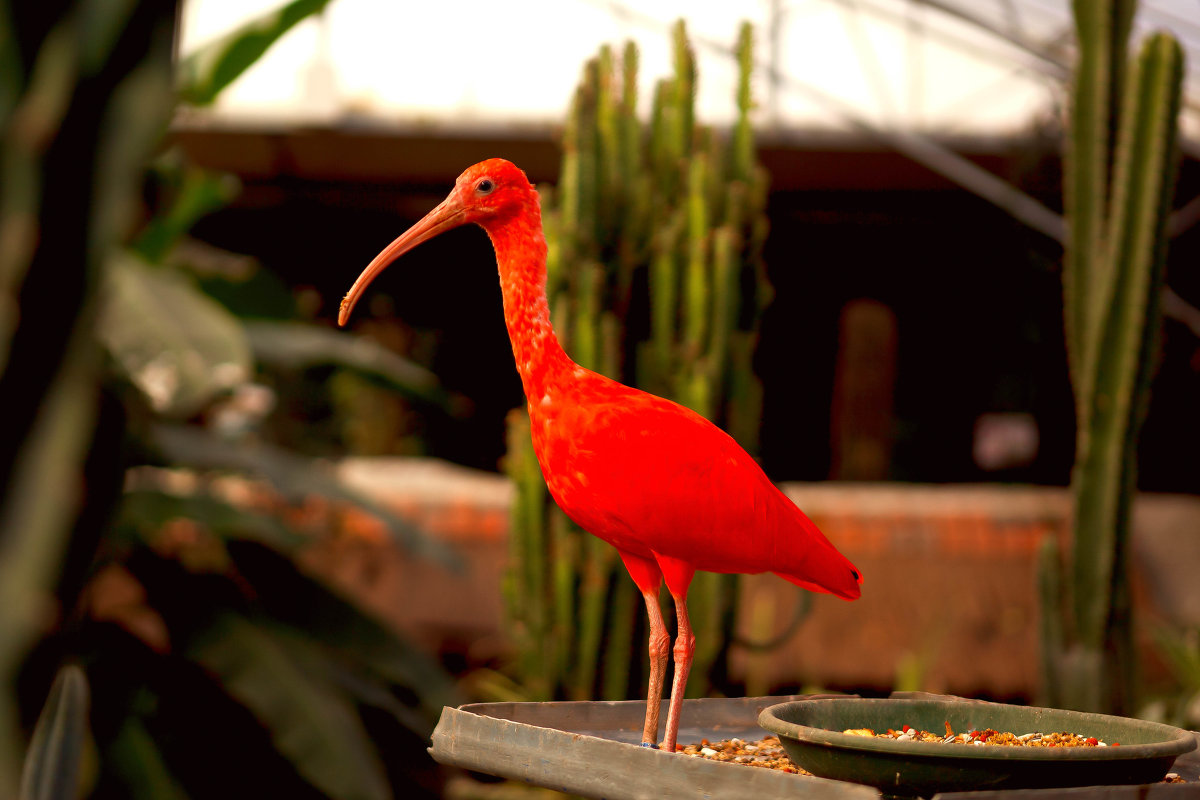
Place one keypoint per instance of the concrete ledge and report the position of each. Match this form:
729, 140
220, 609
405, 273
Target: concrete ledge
949, 594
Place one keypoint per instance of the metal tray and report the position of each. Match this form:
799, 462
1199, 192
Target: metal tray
592, 749
811, 733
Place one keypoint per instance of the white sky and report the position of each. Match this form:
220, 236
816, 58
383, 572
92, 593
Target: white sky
482, 61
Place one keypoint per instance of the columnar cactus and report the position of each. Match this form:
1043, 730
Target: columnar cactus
665, 220
1119, 182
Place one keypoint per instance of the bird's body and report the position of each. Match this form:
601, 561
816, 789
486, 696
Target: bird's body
667, 488
653, 478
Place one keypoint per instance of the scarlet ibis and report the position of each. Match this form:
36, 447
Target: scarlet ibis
672, 492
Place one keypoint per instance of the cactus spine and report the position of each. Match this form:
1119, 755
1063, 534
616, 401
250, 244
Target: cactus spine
665, 220
1120, 178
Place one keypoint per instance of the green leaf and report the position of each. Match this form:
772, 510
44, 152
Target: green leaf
351, 680
311, 723
197, 193
312, 609
210, 69
134, 756
169, 339
52, 765
238, 282
295, 476
296, 345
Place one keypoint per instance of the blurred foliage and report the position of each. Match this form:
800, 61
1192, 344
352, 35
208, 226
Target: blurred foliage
56, 750
1179, 650
215, 665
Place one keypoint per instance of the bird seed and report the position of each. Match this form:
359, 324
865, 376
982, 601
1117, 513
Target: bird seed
987, 736
768, 752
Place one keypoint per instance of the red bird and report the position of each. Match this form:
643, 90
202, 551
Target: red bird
667, 488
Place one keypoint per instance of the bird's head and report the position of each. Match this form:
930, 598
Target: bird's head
488, 192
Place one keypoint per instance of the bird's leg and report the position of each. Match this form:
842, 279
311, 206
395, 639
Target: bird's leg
685, 645
646, 575
660, 643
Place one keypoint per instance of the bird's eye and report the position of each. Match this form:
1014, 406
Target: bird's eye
485, 186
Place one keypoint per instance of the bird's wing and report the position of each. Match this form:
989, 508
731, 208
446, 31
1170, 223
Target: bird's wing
651, 476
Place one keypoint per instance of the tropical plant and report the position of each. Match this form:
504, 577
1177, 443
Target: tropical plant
656, 278
1121, 166
126, 389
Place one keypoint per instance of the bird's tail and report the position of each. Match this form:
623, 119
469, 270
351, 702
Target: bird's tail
819, 567
847, 588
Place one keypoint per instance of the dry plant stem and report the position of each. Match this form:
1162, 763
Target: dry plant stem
685, 645
660, 643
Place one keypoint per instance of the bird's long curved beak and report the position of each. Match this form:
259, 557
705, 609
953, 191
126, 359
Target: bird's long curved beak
448, 214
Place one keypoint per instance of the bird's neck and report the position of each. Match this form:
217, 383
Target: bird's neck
521, 260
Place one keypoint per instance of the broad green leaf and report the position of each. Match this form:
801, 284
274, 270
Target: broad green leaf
312, 609
342, 675
237, 281
52, 764
173, 343
296, 477
295, 345
311, 723
207, 71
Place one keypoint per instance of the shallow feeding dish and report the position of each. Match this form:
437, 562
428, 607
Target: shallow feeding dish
811, 732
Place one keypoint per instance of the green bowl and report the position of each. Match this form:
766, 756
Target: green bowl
811, 734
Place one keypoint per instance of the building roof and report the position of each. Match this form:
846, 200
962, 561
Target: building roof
920, 77
941, 67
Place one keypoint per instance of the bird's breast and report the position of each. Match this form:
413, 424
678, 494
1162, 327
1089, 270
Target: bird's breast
623, 465
583, 452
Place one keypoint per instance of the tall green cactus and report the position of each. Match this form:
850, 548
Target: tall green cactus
1121, 165
675, 211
